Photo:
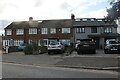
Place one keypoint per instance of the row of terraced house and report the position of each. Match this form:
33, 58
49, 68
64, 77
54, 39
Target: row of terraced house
68, 31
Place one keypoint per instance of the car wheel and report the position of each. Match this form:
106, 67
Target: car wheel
94, 52
78, 52
49, 53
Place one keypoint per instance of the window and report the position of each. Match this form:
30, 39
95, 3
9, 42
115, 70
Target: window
65, 42
9, 32
94, 30
44, 42
80, 30
32, 31
18, 42
92, 19
44, 30
65, 30
77, 19
108, 30
53, 30
84, 19
6, 42
30, 41
39, 42
19, 31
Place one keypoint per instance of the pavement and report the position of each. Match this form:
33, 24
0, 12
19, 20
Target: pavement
99, 61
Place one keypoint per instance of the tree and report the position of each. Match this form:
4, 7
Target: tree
113, 12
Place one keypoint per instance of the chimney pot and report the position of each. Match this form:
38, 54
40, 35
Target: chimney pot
30, 18
72, 16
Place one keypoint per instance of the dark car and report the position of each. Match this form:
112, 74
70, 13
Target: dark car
86, 46
112, 46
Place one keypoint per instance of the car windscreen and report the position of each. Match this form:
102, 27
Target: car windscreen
86, 40
54, 43
113, 42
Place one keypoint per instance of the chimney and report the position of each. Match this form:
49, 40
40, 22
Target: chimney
72, 16
30, 18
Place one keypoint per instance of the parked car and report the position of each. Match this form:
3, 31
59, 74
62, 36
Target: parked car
22, 46
112, 46
55, 46
86, 46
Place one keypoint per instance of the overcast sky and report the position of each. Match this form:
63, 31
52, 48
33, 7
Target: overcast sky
15, 10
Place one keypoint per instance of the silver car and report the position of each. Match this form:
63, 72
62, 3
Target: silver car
55, 46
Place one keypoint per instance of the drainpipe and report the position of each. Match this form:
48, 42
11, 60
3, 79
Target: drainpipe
73, 19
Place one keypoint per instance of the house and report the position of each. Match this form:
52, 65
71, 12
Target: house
39, 31
50, 30
96, 29
67, 31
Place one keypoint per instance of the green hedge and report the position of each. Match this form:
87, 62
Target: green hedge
43, 49
28, 50
31, 49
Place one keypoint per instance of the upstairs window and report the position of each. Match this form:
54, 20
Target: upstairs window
53, 30
107, 30
9, 32
19, 31
32, 31
65, 30
80, 30
44, 30
94, 30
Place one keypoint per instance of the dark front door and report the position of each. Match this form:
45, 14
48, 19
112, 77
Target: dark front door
97, 41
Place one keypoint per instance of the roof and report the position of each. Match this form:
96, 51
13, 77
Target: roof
22, 24
84, 22
56, 23
92, 22
110, 35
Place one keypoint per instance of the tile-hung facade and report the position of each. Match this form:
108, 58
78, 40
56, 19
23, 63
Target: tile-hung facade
96, 29
65, 30
40, 32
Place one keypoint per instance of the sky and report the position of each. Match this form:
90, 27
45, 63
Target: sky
21, 10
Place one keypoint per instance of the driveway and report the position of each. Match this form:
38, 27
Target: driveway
91, 61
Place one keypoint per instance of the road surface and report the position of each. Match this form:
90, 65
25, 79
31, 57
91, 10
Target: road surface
11, 70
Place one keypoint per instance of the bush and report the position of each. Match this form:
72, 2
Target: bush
28, 50
43, 49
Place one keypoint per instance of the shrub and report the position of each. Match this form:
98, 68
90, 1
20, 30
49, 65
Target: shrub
43, 49
28, 50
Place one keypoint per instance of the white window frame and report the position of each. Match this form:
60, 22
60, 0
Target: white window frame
44, 31
8, 32
19, 31
30, 41
80, 30
39, 42
18, 42
108, 30
42, 42
32, 30
53, 30
65, 30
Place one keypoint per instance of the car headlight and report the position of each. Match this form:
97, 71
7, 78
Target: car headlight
107, 47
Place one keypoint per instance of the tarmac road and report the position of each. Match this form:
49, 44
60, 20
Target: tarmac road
11, 70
